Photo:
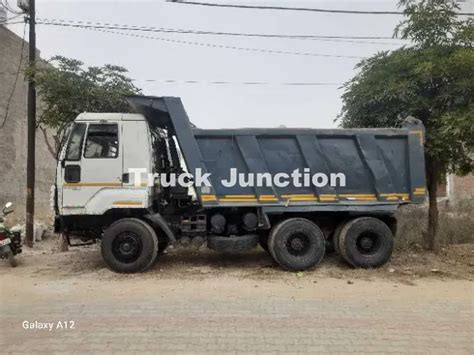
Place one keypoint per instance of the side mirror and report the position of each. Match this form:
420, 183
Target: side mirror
8, 208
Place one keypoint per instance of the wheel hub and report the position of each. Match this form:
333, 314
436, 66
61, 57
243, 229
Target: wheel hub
126, 247
366, 243
297, 244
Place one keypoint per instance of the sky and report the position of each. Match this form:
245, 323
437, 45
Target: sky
231, 105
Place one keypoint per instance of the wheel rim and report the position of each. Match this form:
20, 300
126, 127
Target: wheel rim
368, 243
127, 247
297, 244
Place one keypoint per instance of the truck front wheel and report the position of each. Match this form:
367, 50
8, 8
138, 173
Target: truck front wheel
129, 245
296, 244
365, 242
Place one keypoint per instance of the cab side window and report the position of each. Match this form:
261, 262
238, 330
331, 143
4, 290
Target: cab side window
102, 141
74, 147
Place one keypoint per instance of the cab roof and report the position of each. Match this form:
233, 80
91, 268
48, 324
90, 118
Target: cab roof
107, 117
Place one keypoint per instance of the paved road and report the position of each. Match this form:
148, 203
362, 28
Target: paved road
221, 314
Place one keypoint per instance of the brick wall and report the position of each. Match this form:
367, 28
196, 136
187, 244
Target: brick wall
460, 187
14, 134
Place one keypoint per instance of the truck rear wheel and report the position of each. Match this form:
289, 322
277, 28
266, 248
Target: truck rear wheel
297, 244
335, 237
365, 242
129, 245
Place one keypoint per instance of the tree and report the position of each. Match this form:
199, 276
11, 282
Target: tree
433, 80
66, 89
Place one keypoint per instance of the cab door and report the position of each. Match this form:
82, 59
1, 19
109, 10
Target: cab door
92, 165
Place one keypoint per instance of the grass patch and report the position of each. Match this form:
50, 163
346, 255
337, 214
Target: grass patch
456, 225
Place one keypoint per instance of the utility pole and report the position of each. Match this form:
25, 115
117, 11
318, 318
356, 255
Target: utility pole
30, 163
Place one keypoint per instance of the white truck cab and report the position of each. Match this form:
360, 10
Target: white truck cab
93, 167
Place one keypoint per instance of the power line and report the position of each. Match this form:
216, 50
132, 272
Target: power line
252, 83
203, 44
213, 32
332, 11
7, 108
102, 25
223, 82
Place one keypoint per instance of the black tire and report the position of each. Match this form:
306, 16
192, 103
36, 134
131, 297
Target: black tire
11, 259
297, 244
365, 242
129, 245
232, 244
335, 237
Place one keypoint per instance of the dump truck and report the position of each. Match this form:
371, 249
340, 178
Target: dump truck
138, 182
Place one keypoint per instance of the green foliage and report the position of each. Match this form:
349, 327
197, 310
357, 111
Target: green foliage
432, 81
430, 22
67, 89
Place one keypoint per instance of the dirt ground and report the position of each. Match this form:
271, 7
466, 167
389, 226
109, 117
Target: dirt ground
454, 262
196, 301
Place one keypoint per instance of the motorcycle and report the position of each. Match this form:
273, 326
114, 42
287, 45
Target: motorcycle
10, 242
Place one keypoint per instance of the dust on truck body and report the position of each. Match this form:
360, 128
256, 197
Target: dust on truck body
351, 182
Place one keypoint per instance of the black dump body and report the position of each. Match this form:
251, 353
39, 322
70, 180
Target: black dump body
383, 168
